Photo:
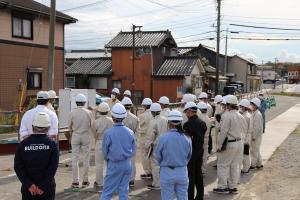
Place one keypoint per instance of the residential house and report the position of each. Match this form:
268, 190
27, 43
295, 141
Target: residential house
244, 70
73, 55
178, 75
294, 74
24, 38
153, 46
92, 73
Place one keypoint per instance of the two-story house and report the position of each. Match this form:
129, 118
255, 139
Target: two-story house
24, 39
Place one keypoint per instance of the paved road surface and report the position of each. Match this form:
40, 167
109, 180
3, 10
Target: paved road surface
10, 185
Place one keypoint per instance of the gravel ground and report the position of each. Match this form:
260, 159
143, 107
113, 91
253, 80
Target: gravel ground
280, 178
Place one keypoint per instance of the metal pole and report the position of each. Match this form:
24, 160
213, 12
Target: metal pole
51, 47
218, 47
133, 58
225, 68
275, 73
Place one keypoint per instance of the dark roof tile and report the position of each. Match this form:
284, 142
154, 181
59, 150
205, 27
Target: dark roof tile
95, 66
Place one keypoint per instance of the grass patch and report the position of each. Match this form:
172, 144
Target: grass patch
286, 94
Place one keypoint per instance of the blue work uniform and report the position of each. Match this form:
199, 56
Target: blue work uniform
36, 162
174, 150
262, 109
118, 148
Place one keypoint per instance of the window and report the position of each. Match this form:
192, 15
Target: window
34, 80
117, 84
22, 26
71, 82
98, 83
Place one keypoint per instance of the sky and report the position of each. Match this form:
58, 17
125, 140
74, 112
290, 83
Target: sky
191, 22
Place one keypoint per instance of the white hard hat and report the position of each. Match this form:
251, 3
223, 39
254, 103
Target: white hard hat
155, 107
203, 95
126, 101
224, 100
231, 99
127, 92
80, 98
52, 94
190, 105
116, 90
218, 99
103, 107
118, 111
188, 98
164, 100
245, 103
175, 115
146, 102
42, 120
42, 95
201, 105
256, 101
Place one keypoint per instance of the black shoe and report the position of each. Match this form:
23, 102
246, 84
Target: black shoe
146, 176
85, 184
260, 167
97, 184
243, 172
75, 185
252, 167
152, 187
220, 191
131, 184
215, 166
233, 191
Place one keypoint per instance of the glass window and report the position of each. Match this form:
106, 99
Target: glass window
117, 84
22, 28
98, 83
34, 80
70, 82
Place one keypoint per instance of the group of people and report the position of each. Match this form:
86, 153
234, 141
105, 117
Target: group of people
174, 144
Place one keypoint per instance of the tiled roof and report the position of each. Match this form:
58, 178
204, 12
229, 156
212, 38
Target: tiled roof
98, 66
77, 55
148, 38
35, 7
210, 69
184, 50
178, 66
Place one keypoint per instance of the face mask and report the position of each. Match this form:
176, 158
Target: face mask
113, 96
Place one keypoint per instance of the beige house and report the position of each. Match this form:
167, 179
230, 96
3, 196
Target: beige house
243, 70
24, 38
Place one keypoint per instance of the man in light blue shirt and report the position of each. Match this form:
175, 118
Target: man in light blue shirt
118, 148
174, 150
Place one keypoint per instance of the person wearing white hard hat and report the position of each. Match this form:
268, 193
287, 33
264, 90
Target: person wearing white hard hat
204, 117
185, 99
196, 129
99, 126
229, 157
80, 121
256, 131
244, 108
144, 120
113, 97
172, 160
127, 93
42, 99
204, 98
118, 149
158, 126
36, 161
164, 103
132, 122
52, 97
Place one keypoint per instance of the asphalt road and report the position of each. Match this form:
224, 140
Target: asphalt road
10, 185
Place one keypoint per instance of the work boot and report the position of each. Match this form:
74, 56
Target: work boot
152, 187
233, 191
85, 184
131, 184
75, 185
220, 191
146, 176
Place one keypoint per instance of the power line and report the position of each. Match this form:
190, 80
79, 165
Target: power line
84, 6
187, 36
264, 27
278, 39
268, 23
196, 40
236, 16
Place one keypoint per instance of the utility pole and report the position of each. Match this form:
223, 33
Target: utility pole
275, 66
51, 47
226, 42
133, 61
218, 47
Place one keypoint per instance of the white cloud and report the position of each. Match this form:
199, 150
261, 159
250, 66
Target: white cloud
287, 56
